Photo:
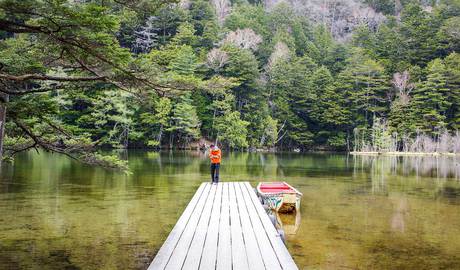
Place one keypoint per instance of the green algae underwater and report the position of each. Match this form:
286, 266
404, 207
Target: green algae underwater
357, 212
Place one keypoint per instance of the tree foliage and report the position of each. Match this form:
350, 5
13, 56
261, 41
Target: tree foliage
78, 75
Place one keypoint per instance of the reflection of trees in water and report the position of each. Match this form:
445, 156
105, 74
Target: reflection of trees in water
401, 209
420, 166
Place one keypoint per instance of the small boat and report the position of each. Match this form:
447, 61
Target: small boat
279, 196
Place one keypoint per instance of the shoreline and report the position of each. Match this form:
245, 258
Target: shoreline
355, 153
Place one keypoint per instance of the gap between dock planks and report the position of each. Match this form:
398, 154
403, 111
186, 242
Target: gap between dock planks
223, 227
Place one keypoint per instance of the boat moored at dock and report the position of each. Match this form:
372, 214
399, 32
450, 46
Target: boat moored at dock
279, 196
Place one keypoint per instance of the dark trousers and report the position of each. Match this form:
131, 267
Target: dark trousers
215, 172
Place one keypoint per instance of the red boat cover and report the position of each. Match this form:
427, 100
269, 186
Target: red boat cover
275, 187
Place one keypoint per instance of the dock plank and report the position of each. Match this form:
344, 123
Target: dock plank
270, 259
209, 255
163, 255
280, 249
182, 247
192, 261
253, 254
239, 254
224, 249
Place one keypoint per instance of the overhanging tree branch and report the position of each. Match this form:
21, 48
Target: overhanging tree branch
83, 153
26, 77
14, 151
86, 46
42, 143
16, 27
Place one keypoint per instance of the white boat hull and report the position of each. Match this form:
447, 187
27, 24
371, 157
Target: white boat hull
281, 202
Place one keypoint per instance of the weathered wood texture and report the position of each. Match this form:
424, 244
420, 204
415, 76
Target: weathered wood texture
223, 227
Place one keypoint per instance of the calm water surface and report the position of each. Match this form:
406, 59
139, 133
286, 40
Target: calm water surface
357, 213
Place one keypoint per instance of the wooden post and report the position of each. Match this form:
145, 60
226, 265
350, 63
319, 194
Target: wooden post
3, 101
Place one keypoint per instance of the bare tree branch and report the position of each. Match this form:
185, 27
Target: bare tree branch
243, 38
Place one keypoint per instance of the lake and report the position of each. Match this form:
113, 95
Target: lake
357, 212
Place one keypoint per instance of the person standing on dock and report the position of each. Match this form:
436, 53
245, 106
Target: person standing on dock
215, 155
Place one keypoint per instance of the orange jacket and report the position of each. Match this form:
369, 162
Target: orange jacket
215, 155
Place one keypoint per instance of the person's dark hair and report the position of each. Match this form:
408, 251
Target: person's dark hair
212, 145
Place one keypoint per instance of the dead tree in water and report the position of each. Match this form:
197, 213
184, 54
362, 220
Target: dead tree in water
379, 139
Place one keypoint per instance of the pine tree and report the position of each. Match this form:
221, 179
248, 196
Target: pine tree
248, 16
112, 115
232, 130
184, 62
401, 118
299, 131
453, 83
418, 28
201, 12
324, 41
185, 123
367, 87
321, 84
243, 66
167, 21
430, 102
448, 35
249, 99
155, 120
329, 110
185, 35
210, 35
292, 98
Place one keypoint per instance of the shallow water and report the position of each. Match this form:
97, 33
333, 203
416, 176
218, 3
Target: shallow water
357, 213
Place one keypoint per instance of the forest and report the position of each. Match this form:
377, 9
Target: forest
79, 75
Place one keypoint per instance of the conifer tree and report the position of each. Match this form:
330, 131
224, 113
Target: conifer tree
401, 118
185, 35
367, 87
452, 63
329, 111
430, 102
184, 62
185, 124
112, 115
155, 120
242, 65
418, 27
292, 98
201, 12
232, 130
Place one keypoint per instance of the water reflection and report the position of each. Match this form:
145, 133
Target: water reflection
400, 211
289, 223
357, 212
442, 167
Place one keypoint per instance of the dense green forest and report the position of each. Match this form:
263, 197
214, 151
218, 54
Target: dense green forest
309, 75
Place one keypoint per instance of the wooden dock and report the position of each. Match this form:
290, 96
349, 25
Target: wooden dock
223, 227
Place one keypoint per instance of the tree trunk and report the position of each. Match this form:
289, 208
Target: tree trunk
3, 101
212, 125
348, 140
171, 139
160, 134
398, 8
262, 140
